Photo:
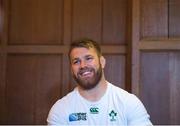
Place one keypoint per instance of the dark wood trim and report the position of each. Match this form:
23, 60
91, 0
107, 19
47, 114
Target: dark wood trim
35, 49
135, 52
160, 45
3, 89
4, 40
67, 22
5, 13
173, 88
45, 49
128, 61
65, 77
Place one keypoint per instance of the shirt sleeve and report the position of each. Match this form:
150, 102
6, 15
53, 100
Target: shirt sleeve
56, 115
136, 112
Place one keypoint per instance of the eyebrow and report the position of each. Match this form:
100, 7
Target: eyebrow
76, 58
89, 56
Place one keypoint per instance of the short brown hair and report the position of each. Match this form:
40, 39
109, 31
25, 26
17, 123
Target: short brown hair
85, 43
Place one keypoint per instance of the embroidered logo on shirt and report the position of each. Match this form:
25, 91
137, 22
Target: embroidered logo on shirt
94, 110
77, 117
112, 115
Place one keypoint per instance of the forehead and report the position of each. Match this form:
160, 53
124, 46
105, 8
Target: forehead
81, 51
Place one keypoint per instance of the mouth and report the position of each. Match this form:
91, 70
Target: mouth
86, 73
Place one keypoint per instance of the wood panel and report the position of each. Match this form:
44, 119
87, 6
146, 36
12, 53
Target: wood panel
48, 88
115, 69
34, 32
133, 46
160, 86
153, 19
35, 21
114, 21
1, 20
174, 18
155, 86
36, 36
155, 58
174, 74
56, 49
68, 82
1, 64
1, 88
33, 85
159, 45
87, 19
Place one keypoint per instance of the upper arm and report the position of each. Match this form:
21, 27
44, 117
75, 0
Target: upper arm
136, 112
57, 116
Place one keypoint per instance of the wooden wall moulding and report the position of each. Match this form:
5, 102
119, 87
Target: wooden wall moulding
160, 45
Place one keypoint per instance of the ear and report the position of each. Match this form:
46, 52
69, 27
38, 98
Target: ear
102, 61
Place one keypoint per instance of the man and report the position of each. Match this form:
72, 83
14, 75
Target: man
95, 101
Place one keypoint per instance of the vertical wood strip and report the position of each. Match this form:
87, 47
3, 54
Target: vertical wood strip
4, 42
67, 20
135, 76
173, 87
5, 20
128, 61
66, 41
172, 82
3, 89
1, 20
174, 18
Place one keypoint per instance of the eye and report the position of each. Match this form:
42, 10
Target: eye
76, 62
89, 58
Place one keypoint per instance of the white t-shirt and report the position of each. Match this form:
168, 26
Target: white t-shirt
117, 107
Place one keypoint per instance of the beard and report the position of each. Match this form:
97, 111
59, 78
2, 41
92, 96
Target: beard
90, 82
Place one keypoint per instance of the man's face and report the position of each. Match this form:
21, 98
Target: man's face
86, 67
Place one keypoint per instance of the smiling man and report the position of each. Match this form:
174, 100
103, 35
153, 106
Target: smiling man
95, 101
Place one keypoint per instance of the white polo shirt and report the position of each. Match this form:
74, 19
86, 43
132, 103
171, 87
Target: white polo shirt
117, 107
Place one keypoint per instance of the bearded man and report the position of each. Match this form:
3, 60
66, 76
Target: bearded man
95, 101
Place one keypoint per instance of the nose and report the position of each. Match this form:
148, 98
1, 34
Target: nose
83, 64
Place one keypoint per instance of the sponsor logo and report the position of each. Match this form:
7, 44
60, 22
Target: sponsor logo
77, 117
94, 110
112, 115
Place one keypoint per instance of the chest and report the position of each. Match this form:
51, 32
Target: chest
106, 113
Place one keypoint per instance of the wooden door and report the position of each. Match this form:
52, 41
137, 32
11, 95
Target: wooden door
156, 58
33, 51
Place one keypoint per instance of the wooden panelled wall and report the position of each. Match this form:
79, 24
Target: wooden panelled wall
139, 38
33, 51
156, 58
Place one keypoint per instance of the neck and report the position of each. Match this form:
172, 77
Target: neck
96, 93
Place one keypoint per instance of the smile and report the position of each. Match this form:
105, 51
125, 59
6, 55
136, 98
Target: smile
86, 73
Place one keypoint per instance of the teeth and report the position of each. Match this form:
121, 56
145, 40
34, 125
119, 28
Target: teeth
85, 73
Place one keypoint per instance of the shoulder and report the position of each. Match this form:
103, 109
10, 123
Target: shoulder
59, 109
133, 108
66, 100
126, 97
120, 93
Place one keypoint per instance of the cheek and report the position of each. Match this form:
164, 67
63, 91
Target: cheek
74, 69
96, 66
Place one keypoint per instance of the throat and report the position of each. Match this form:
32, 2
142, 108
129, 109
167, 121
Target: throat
95, 94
